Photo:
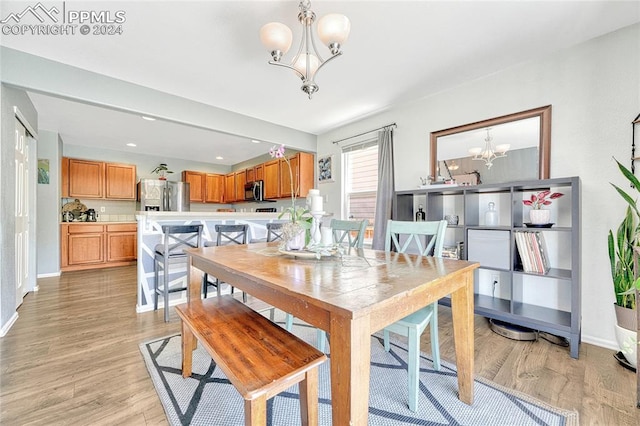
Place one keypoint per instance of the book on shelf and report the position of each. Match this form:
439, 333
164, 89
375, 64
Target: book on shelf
532, 251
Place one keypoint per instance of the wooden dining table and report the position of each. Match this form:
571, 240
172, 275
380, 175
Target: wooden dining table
351, 296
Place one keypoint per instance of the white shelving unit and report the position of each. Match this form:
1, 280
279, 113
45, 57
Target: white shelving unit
503, 291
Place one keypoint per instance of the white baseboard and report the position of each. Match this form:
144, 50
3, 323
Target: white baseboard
5, 328
53, 274
607, 344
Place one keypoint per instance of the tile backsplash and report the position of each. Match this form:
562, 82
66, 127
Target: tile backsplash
114, 211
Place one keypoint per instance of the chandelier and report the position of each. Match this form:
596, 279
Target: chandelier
489, 152
333, 30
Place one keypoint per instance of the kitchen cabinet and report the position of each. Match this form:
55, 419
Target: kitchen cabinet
259, 172
120, 181
86, 178
204, 187
230, 188
122, 242
97, 179
197, 185
214, 188
240, 180
251, 174
272, 179
504, 289
92, 245
302, 172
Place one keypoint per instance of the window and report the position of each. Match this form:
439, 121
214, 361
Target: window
361, 183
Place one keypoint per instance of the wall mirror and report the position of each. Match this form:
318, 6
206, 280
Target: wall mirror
510, 148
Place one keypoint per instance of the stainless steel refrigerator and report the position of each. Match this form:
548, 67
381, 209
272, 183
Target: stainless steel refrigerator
163, 195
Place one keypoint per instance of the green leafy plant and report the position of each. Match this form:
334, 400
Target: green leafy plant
161, 169
622, 246
621, 259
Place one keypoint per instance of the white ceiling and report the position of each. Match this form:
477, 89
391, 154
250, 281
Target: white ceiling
398, 51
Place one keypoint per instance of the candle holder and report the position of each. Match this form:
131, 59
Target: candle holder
316, 237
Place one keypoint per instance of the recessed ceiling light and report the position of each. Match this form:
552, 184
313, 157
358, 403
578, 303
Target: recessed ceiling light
131, 144
255, 141
219, 158
144, 117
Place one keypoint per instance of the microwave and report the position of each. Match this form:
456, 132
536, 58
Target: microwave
254, 191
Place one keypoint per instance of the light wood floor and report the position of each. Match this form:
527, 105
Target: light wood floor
72, 358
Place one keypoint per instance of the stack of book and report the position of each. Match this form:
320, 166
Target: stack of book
532, 251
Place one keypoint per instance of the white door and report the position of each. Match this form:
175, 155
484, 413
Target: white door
22, 211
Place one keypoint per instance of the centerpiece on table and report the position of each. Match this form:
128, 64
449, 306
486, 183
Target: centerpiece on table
294, 232
538, 215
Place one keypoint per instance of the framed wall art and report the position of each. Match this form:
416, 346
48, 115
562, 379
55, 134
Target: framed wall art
325, 169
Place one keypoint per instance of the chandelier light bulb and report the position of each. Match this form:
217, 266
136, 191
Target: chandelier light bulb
277, 38
503, 148
333, 30
301, 65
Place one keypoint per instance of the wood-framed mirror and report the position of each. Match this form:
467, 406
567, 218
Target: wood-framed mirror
521, 143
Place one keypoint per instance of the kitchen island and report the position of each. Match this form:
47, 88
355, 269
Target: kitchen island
150, 234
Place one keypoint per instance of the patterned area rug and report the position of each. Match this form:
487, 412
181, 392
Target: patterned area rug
208, 398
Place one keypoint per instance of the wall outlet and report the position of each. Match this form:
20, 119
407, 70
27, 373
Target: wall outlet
102, 209
495, 283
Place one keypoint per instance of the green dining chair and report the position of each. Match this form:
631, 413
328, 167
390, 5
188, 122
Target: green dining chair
428, 239
342, 231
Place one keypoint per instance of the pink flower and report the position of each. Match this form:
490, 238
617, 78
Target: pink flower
277, 152
538, 200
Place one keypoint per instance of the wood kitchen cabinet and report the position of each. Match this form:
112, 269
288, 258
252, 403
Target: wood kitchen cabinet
92, 246
120, 181
204, 187
85, 244
302, 171
259, 172
241, 179
97, 179
230, 188
122, 242
214, 188
251, 174
272, 179
197, 185
86, 178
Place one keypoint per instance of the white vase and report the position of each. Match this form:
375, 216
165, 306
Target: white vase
539, 217
296, 242
628, 344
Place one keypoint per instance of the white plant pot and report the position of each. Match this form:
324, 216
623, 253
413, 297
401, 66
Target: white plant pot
628, 344
539, 217
297, 241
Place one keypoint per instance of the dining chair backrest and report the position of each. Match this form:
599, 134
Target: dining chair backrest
428, 237
344, 229
274, 231
231, 234
177, 238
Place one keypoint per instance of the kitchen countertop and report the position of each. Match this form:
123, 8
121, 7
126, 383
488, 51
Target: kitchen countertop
98, 222
222, 215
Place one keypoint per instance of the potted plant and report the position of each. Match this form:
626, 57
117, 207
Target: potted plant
295, 231
161, 170
537, 214
623, 270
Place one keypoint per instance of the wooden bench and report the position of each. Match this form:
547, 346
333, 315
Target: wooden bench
258, 357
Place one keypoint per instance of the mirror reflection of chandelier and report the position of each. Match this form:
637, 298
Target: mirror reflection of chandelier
333, 30
489, 152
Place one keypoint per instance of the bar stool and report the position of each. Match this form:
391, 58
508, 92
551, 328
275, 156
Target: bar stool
274, 231
226, 234
176, 238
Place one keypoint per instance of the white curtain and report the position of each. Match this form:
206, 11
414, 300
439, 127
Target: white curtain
386, 186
